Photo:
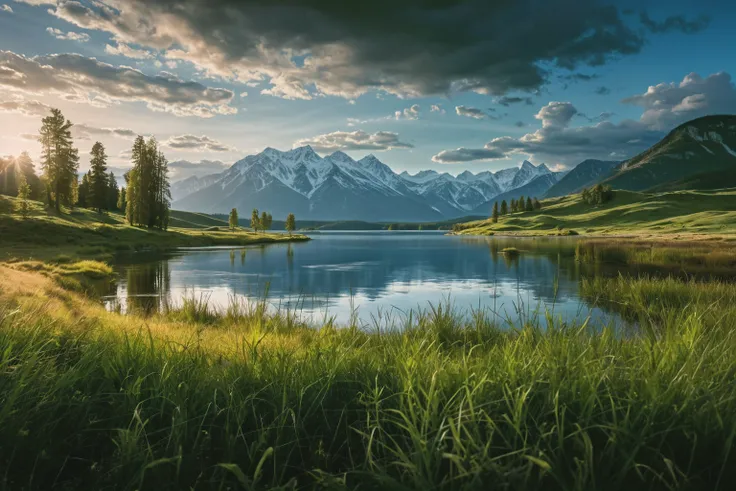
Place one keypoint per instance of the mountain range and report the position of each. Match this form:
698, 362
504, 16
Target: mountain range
337, 187
698, 154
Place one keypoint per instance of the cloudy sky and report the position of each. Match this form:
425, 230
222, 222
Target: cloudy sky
451, 85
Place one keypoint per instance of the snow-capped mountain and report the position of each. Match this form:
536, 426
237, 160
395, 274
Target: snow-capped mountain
337, 187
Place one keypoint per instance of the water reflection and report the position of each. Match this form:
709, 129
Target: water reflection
377, 272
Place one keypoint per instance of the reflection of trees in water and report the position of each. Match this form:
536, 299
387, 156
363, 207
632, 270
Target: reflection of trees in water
148, 287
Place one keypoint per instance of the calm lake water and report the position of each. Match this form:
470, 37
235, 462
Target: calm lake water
377, 276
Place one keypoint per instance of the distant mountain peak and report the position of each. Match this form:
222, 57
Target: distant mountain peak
544, 168
527, 165
340, 157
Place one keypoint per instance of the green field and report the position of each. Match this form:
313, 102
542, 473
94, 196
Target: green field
681, 213
87, 234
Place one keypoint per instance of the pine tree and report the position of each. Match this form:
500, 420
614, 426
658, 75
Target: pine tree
24, 194
255, 221
83, 192
233, 221
521, 204
513, 206
131, 200
537, 204
264, 221
290, 223
24, 165
121, 204
494, 215
98, 184
112, 192
529, 206
60, 159
74, 194
504, 208
148, 194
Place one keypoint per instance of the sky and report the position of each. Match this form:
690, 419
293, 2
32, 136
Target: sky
449, 85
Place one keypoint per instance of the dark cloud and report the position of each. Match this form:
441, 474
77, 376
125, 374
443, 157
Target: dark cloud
196, 144
519, 124
413, 47
87, 80
460, 155
507, 101
674, 23
354, 140
602, 90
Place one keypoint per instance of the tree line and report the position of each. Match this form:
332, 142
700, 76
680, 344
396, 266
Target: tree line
145, 199
261, 221
524, 203
597, 195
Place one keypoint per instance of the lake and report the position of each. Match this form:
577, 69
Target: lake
379, 277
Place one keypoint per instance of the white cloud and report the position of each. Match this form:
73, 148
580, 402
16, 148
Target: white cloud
123, 49
354, 140
195, 143
409, 113
25, 107
6, 8
664, 106
559, 143
87, 80
668, 104
68, 36
436, 108
470, 112
87, 132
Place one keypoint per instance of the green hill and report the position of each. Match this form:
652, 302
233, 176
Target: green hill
628, 213
703, 145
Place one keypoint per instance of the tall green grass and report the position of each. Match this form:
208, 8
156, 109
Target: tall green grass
451, 402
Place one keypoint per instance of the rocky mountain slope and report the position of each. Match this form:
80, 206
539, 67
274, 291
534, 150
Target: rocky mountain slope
585, 174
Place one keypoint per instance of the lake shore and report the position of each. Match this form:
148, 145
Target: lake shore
247, 396
85, 234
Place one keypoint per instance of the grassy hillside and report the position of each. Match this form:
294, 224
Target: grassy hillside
683, 212
186, 219
706, 144
85, 233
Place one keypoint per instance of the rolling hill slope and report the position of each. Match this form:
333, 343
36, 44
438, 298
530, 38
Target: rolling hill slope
700, 146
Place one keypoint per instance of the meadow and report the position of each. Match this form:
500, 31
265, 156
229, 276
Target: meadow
252, 398
671, 215
85, 234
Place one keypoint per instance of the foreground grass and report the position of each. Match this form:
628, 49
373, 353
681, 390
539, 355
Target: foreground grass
689, 214
85, 234
249, 400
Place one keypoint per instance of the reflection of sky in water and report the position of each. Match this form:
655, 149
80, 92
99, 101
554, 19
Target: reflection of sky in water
377, 275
